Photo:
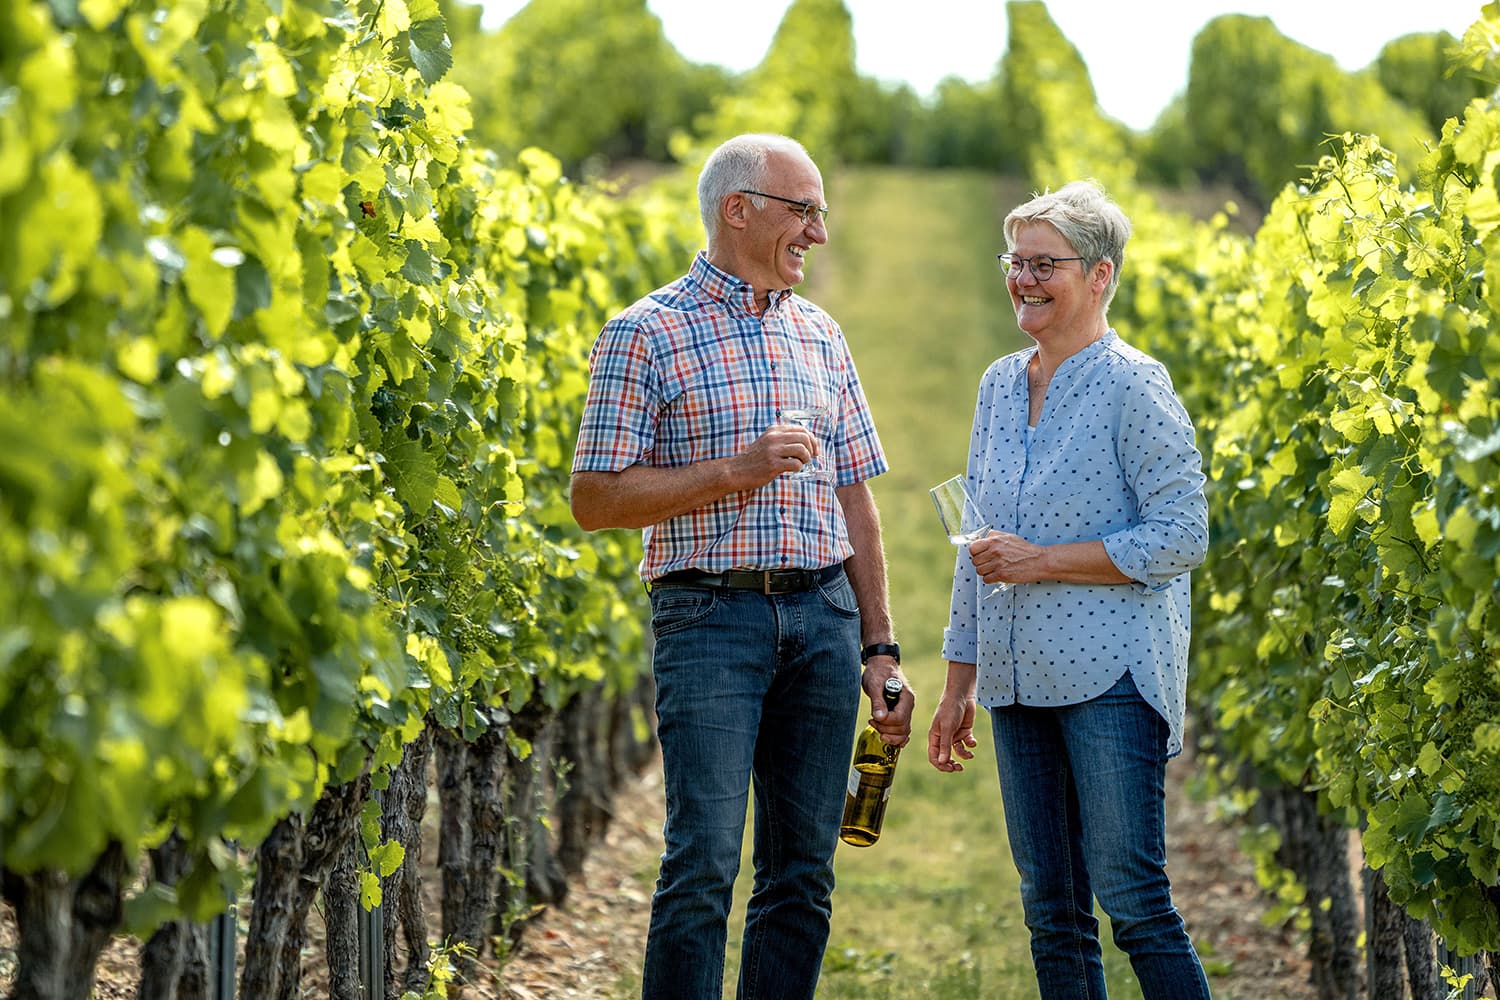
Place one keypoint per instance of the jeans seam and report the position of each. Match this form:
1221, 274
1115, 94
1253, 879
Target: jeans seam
773, 876
1081, 962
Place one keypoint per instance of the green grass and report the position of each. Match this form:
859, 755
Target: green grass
910, 274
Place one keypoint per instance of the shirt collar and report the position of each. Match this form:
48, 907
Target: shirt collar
1073, 360
733, 292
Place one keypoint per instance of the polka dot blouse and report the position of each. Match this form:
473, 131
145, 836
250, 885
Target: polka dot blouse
1112, 457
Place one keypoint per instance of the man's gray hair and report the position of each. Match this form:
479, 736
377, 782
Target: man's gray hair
1094, 226
739, 164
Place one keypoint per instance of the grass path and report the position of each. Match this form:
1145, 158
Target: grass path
910, 274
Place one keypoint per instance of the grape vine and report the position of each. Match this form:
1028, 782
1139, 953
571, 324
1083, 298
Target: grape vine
287, 369
1341, 371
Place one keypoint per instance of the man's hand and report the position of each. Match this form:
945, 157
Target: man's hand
894, 727
783, 448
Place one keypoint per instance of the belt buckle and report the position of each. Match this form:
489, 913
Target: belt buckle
765, 582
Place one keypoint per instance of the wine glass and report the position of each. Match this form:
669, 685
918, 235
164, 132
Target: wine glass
808, 416
961, 518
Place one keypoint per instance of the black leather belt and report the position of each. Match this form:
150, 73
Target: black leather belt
767, 581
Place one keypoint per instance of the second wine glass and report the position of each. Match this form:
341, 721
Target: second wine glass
961, 518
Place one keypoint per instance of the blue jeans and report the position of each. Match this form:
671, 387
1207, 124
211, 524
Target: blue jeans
750, 689
1083, 788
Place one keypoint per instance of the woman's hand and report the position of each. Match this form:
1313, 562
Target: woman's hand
1001, 557
952, 732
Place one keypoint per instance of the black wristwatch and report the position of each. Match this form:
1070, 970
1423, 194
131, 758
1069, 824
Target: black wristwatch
891, 649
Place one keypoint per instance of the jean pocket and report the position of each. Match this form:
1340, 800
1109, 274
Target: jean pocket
674, 608
838, 594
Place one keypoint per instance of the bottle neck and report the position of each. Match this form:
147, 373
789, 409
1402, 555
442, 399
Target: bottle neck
892, 692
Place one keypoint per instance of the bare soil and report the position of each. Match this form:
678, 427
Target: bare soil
585, 949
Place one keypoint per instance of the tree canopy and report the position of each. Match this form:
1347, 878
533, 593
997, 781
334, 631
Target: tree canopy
597, 81
584, 79
1259, 106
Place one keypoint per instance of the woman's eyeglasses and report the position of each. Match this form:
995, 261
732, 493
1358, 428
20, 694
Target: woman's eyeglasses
1042, 266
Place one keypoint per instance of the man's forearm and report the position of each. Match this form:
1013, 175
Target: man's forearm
643, 495
866, 568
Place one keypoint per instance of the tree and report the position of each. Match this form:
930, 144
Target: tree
805, 87
1049, 110
1418, 69
880, 123
584, 79
1167, 149
1260, 105
964, 129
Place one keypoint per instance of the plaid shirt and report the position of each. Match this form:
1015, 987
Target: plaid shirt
691, 372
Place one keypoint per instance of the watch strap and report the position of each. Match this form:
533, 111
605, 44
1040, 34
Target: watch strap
891, 649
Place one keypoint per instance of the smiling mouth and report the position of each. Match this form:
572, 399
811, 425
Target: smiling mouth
798, 251
1034, 300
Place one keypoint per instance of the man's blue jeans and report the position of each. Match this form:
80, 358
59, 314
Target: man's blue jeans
1083, 787
759, 687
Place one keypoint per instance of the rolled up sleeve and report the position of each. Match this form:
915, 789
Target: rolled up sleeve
1165, 471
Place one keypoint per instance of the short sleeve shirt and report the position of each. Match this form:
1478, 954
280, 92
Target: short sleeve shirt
694, 372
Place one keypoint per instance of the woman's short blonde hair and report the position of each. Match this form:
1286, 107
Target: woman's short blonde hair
1094, 226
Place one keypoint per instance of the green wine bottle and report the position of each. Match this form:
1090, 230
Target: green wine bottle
870, 779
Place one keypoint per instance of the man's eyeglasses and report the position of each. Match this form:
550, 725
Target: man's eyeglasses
1042, 266
805, 209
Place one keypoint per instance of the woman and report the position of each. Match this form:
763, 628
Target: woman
1083, 459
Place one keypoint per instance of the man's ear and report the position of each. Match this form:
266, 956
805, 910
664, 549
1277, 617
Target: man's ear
733, 210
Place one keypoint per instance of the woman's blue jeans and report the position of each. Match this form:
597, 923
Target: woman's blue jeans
1084, 793
750, 690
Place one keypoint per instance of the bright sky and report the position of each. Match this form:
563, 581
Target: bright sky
1137, 53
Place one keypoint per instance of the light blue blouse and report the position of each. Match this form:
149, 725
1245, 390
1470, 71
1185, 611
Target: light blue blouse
1112, 457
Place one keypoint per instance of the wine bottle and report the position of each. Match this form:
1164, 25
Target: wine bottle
870, 779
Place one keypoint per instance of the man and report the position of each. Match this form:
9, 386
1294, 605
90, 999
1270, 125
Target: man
767, 588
